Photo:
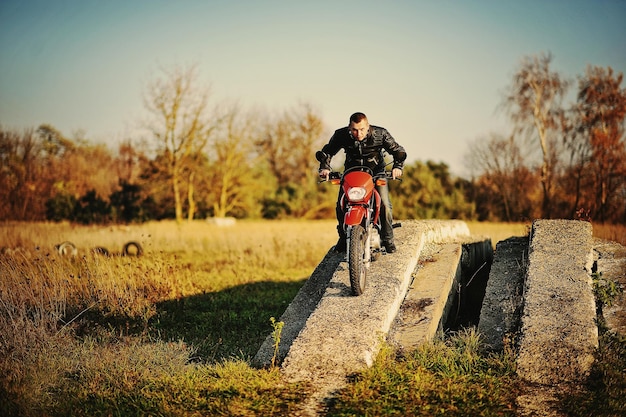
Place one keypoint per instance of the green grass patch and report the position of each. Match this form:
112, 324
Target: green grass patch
447, 378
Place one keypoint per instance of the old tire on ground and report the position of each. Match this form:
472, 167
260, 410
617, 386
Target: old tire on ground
66, 248
132, 249
356, 260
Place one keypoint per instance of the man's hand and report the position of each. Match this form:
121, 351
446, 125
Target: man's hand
324, 173
396, 173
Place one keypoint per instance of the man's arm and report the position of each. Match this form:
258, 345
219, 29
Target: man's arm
328, 151
396, 150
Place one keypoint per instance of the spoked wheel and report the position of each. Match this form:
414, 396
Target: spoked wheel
356, 259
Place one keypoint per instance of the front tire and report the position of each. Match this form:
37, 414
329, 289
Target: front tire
357, 259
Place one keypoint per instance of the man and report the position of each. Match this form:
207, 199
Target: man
363, 145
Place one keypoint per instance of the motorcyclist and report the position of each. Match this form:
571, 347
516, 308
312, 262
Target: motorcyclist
363, 145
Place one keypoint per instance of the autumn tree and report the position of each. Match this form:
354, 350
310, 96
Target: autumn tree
498, 163
181, 125
599, 127
129, 160
44, 173
87, 167
30, 161
534, 103
20, 172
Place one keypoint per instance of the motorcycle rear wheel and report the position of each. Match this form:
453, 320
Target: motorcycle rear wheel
356, 260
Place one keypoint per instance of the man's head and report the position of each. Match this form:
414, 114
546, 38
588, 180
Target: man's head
359, 126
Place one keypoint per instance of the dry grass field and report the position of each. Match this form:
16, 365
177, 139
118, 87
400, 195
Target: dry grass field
77, 333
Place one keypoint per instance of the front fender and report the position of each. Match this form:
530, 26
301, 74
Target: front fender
354, 215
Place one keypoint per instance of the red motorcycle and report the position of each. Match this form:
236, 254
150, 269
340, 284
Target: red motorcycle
361, 207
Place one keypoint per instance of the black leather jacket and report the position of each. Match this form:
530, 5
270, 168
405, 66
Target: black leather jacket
368, 152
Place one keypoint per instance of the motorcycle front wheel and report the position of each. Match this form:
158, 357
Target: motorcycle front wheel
356, 259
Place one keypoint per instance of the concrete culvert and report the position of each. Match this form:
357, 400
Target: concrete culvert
66, 249
469, 291
132, 249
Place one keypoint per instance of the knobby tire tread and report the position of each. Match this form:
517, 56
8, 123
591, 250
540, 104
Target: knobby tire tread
355, 261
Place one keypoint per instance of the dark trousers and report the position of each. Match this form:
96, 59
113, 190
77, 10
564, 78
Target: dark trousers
386, 214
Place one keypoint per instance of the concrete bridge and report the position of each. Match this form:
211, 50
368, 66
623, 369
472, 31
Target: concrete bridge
536, 289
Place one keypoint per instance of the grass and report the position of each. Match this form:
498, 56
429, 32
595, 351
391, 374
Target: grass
172, 332
447, 378
201, 297
615, 232
498, 231
605, 390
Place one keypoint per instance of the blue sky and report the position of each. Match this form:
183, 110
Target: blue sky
431, 72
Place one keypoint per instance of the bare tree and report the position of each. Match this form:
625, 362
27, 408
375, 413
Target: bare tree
534, 104
289, 142
287, 146
181, 126
128, 161
499, 161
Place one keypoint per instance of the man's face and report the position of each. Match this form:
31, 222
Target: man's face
359, 130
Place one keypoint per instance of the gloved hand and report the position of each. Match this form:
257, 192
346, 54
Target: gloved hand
324, 173
396, 173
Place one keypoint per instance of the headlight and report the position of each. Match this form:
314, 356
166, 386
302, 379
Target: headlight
356, 193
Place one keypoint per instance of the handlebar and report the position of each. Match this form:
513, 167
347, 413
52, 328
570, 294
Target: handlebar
334, 175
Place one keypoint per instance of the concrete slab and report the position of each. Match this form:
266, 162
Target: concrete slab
428, 299
611, 264
558, 332
501, 310
298, 311
342, 334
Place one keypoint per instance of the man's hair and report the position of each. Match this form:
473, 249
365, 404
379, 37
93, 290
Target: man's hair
357, 117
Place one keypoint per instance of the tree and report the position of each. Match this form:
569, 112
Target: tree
126, 204
86, 167
231, 178
499, 164
20, 154
181, 126
534, 104
601, 112
29, 170
91, 209
60, 207
155, 182
130, 158
428, 191
288, 146
288, 143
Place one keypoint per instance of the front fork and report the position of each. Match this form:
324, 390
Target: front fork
370, 242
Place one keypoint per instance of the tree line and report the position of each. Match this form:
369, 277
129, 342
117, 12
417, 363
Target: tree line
202, 159
561, 159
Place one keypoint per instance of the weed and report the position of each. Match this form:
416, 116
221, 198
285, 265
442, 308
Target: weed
277, 328
605, 290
